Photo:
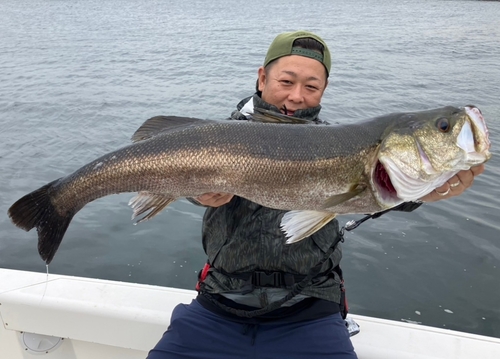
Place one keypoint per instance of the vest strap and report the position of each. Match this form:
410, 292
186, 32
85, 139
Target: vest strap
296, 289
275, 279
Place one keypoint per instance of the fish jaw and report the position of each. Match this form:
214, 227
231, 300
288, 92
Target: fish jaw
409, 188
474, 137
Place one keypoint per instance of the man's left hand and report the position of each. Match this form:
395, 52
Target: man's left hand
455, 186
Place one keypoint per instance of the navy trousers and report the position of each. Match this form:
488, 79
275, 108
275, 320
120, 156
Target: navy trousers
197, 333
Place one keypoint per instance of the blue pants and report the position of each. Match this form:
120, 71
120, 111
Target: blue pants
197, 333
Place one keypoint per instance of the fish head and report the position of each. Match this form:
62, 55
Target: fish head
420, 151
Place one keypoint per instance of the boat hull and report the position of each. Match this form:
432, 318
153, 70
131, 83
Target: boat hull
84, 318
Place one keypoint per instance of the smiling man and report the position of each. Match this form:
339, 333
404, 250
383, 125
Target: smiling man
243, 310
293, 78
295, 82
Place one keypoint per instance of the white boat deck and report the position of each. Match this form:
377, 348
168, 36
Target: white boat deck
106, 319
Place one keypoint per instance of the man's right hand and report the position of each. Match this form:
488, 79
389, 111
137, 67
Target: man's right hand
214, 199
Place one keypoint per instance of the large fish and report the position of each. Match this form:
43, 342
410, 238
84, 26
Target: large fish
314, 171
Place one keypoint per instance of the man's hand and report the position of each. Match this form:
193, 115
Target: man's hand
455, 186
214, 199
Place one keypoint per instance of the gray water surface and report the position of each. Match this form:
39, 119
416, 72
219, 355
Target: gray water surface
79, 77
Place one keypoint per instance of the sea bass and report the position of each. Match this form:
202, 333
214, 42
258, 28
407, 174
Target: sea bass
313, 171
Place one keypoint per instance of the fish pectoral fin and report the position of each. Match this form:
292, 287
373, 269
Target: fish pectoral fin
298, 225
158, 124
262, 115
147, 201
343, 197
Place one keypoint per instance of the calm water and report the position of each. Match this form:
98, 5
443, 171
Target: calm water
78, 78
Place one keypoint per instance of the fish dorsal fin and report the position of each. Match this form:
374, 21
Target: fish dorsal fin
343, 197
262, 115
158, 124
298, 225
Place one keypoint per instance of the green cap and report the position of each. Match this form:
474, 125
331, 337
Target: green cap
282, 45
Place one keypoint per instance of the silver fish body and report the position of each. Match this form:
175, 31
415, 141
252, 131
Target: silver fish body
314, 171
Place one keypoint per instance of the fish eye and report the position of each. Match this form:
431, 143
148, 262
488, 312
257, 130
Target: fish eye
443, 124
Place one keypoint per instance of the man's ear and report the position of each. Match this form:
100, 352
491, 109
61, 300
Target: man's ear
326, 85
262, 77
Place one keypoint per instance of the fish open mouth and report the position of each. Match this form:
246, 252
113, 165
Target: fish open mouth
383, 183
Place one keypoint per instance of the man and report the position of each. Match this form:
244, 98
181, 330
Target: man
245, 308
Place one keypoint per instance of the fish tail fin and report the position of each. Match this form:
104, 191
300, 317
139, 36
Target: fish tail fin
35, 210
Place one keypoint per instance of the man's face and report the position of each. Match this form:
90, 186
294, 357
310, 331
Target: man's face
293, 82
